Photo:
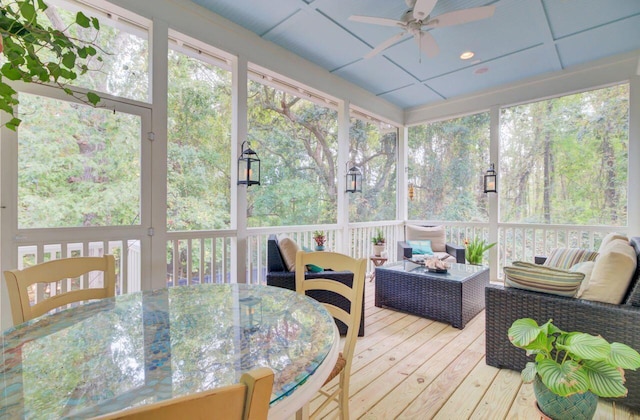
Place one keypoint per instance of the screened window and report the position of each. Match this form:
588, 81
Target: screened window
564, 160
446, 161
122, 44
373, 149
77, 165
199, 141
297, 141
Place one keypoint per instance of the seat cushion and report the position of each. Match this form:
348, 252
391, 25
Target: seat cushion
612, 273
566, 258
435, 234
537, 278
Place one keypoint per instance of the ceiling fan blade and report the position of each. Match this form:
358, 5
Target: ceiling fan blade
386, 44
461, 16
427, 43
376, 20
423, 8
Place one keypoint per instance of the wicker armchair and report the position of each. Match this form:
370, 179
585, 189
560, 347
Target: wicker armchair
279, 276
620, 323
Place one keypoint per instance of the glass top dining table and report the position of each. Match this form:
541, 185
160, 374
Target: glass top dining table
144, 347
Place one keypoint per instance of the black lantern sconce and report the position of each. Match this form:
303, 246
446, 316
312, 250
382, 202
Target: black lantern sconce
354, 179
248, 166
250, 314
490, 180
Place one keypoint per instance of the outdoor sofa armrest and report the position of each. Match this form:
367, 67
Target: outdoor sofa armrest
616, 323
539, 259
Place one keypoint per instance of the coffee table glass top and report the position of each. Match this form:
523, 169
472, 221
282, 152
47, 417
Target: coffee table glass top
457, 272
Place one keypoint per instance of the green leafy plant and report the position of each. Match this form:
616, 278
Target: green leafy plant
475, 250
378, 239
38, 54
573, 362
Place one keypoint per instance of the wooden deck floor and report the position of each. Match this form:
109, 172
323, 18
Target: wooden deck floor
409, 367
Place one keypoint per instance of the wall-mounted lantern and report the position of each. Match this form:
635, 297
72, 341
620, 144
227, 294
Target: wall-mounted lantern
354, 179
490, 180
248, 166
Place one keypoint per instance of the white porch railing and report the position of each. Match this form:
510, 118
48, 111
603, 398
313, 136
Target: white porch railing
205, 256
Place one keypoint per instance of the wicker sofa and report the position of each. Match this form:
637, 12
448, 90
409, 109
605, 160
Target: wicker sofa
279, 276
619, 323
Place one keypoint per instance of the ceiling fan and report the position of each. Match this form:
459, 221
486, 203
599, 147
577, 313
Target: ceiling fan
418, 18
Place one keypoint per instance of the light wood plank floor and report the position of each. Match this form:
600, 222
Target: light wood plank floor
408, 367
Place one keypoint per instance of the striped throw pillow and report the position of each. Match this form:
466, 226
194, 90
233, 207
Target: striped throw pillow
543, 279
568, 257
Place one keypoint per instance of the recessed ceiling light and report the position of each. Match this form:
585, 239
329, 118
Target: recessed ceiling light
467, 55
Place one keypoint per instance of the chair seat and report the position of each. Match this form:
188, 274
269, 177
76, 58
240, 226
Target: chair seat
337, 368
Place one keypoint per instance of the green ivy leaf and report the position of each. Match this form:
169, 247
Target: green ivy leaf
10, 73
28, 11
95, 23
93, 98
13, 123
82, 20
69, 60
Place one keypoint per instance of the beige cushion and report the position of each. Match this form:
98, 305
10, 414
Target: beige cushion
443, 256
610, 237
435, 234
585, 268
611, 273
288, 249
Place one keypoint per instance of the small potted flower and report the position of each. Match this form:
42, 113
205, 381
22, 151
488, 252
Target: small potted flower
320, 239
378, 243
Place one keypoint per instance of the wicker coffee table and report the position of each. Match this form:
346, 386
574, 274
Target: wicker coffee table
454, 297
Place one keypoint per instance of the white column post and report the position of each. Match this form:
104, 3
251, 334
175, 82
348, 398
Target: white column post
494, 209
343, 156
239, 192
633, 192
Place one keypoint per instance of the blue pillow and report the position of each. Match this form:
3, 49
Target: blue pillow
312, 268
420, 247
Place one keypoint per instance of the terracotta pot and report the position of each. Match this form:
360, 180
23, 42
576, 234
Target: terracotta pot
574, 407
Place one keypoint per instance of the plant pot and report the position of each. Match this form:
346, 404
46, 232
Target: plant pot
377, 250
574, 407
319, 248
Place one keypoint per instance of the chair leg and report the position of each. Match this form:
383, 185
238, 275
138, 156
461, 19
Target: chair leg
344, 397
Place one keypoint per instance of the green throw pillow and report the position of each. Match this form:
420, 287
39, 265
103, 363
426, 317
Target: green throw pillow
314, 268
420, 247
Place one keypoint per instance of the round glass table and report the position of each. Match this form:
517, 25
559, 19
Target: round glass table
143, 347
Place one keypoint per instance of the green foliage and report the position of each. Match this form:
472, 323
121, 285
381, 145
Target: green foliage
445, 162
379, 238
475, 250
573, 362
36, 53
564, 160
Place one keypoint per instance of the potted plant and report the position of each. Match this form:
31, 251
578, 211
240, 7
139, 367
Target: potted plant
378, 243
475, 250
571, 366
320, 239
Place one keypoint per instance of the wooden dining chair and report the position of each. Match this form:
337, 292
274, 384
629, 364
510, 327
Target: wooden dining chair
247, 400
355, 295
18, 282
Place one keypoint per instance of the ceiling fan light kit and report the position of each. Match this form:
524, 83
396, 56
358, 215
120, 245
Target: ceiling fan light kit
417, 20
